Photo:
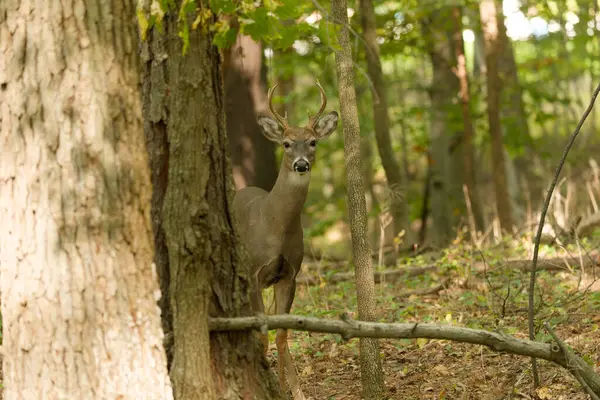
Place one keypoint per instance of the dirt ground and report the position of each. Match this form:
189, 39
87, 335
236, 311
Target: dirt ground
436, 369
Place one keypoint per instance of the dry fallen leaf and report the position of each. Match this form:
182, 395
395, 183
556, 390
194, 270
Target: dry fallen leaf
441, 369
334, 352
544, 393
307, 371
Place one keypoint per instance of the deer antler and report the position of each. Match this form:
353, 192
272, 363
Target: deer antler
312, 120
282, 120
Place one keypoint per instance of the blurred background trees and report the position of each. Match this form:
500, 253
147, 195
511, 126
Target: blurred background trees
456, 100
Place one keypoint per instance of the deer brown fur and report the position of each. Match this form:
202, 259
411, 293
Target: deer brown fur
270, 222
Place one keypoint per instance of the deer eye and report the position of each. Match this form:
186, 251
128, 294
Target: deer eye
286, 145
313, 143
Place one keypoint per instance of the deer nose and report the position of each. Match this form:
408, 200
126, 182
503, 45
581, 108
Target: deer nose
301, 166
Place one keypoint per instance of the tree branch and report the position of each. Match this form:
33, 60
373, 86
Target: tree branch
349, 329
538, 236
549, 264
573, 363
379, 276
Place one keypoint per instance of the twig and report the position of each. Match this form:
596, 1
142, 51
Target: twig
538, 235
571, 363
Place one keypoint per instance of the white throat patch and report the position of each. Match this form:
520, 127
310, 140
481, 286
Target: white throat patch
299, 179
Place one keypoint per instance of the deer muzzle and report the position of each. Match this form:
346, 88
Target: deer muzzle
301, 165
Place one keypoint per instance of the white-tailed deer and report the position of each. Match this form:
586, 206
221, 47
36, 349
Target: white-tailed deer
270, 226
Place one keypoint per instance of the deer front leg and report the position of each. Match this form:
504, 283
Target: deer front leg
285, 291
258, 306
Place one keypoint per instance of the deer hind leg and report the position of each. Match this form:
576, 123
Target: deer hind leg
285, 290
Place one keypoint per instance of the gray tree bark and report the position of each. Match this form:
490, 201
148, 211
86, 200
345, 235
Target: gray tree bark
446, 161
199, 261
78, 286
370, 361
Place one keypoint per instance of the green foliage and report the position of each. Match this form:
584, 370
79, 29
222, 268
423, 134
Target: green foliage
224, 19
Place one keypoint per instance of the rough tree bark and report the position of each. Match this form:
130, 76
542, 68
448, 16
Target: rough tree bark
371, 370
198, 257
252, 155
446, 161
79, 290
489, 10
390, 165
469, 131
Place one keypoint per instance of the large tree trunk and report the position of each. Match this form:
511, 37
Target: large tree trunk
446, 162
469, 130
199, 260
252, 155
390, 165
370, 360
489, 10
79, 312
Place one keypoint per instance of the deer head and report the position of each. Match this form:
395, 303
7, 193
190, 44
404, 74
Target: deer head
299, 143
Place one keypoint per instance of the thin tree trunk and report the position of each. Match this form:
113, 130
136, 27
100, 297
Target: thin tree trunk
469, 131
489, 19
514, 117
446, 166
425, 208
252, 155
366, 151
79, 312
370, 360
200, 263
390, 165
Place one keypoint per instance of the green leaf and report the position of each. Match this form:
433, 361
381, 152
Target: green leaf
257, 24
203, 19
224, 35
223, 6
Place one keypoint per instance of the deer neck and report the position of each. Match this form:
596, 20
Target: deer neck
285, 201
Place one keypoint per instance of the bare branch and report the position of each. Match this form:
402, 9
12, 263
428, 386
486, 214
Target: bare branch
355, 329
550, 264
348, 329
379, 276
538, 235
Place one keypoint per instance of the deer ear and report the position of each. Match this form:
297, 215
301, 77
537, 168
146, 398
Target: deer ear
271, 129
326, 125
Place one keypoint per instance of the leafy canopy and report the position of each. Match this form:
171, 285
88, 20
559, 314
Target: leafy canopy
264, 22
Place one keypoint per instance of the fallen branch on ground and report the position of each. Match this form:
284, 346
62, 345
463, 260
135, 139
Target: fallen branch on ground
424, 291
349, 328
572, 363
549, 264
588, 224
379, 276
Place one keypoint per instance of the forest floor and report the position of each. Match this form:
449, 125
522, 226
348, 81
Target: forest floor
482, 291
